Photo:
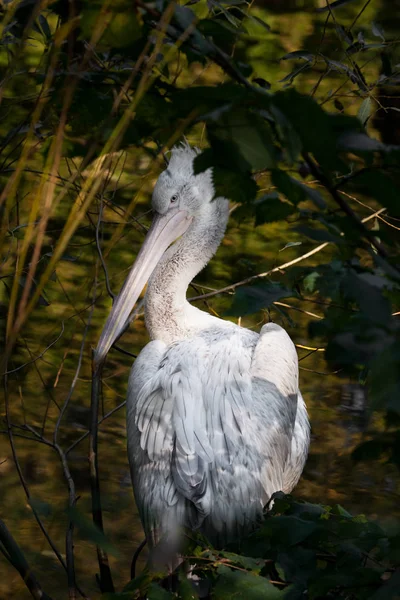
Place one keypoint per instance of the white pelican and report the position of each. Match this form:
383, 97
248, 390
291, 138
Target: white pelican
215, 420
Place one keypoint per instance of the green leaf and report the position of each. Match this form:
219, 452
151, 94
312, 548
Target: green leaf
253, 138
186, 589
122, 27
238, 585
296, 565
310, 280
299, 54
285, 531
290, 245
269, 209
380, 186
238, 187
248, 300
295, 190
365, 110
342, 512
296, 71
287, 186
186, 18
141, 582
369, 298
377, 30
242, 140
44, 26
312, 194
251, 564
319, 235
318, 131
156, 592
360, 142
343, 34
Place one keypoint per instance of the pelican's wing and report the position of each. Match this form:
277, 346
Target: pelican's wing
275, 360
152, 484
168, 446
210, 429
299, 447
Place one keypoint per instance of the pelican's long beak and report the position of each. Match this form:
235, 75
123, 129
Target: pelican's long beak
164, 230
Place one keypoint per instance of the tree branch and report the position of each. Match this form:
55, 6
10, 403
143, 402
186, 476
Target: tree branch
233, 286
366, 233
106, 582
15, 556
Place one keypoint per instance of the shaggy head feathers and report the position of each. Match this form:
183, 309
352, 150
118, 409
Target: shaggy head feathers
179, 179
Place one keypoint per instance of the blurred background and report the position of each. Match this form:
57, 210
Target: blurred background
50, 366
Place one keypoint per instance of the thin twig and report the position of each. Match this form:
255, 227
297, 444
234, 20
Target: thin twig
15, 556
320, 175
98, 245
306, 312
136, 556
106, 582
320, 372
100, 421
115, 347
233, 286
22, 479
70, 482
359, 15
40, 355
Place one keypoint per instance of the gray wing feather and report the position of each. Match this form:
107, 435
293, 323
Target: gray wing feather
275, 360
212, 429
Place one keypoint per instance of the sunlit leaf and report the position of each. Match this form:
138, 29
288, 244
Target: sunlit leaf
377, 30
365, 110
290, 245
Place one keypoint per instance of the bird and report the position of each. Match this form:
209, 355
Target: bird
216, 423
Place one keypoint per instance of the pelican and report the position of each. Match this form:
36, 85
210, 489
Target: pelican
215, 420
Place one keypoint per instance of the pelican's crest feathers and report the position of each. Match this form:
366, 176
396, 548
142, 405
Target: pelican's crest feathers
180, 165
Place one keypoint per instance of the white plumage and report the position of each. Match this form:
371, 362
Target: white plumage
216, 422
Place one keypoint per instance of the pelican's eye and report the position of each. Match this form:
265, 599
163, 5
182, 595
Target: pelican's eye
174, 198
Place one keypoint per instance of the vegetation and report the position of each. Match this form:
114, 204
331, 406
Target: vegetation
296, 107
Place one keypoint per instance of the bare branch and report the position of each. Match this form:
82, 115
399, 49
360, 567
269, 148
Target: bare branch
14, 554
106, 582
40, 355
98, 245
233, 286
70, 482
318, 174
22, 479
85, 435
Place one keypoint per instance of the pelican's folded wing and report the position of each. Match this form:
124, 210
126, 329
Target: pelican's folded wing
275, 361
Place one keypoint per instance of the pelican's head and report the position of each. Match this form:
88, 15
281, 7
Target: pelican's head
179, 188
179, 197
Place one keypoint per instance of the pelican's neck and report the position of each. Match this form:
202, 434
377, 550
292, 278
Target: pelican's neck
169, 316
